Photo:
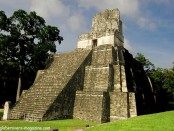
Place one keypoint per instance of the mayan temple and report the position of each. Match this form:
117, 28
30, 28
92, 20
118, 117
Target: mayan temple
99, 81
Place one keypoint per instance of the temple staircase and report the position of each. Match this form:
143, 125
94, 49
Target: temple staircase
51, 85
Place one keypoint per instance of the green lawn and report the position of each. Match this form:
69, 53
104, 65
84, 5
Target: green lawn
62, 125
155, 122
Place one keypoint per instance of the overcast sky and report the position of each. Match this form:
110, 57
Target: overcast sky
148, 25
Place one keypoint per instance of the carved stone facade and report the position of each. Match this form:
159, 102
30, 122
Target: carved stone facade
106, 29
99, 81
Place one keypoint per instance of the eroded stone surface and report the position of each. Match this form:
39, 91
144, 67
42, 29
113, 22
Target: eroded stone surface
106, 29
6, 114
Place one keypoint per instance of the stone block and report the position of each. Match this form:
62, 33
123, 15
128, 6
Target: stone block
96, 78
123, 79
132, 105
118, 105
117, 78
88, 106
6, 114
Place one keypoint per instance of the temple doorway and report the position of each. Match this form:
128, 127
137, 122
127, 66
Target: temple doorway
94, 43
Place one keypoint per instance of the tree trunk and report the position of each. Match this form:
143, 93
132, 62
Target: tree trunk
19, 84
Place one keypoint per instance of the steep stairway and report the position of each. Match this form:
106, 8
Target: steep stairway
92, 103
33, 104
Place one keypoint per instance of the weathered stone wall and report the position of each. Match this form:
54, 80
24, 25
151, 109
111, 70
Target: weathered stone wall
92, 106
106, 76
118, 106
88, 105
62, 107
50, 85
137, 82
103, 55
132, 105
96, 79
122, 105
105, 108
117, 78
108, 20
112, 70
93, 103
106, 29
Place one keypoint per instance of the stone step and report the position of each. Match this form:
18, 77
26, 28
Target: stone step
50, 84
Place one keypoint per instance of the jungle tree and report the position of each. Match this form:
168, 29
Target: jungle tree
25, 40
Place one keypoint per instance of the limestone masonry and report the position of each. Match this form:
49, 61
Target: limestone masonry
99, 81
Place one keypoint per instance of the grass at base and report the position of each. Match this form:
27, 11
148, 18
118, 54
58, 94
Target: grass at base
155, 122
62, 125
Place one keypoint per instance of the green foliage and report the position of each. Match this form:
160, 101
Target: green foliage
163, 81
25, 40
154, 122
147, 65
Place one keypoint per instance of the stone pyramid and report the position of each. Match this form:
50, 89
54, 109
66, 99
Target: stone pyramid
99, 81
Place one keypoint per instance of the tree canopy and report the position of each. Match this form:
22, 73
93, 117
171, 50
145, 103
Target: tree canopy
25, 41
146, 63
163, 83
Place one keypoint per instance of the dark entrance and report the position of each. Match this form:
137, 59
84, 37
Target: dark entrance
94, 43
